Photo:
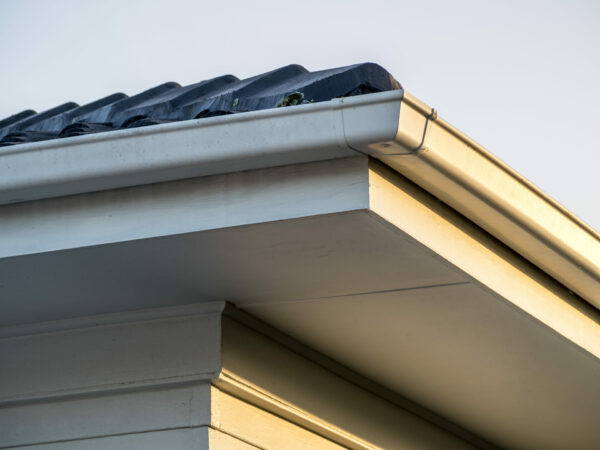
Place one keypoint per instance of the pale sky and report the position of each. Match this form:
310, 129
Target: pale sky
522, 78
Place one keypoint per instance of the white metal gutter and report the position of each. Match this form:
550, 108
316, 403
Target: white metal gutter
458, 171
171, 151
393, 127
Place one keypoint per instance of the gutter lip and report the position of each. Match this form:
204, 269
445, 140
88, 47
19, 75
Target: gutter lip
162, 128
432, 115
333, 104
518, 177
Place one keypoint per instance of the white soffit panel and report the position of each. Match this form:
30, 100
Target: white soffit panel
463, 353
313, 257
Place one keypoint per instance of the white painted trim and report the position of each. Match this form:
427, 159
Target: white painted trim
106, 415
184, 206
311, 396
202, 438
240, 388
142, 315
463, 174
483, 259
261, 428
300, 400
125, 352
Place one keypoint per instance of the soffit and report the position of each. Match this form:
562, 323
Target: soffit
314, 257
462, 352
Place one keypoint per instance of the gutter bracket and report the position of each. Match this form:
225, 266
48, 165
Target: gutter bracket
430, 117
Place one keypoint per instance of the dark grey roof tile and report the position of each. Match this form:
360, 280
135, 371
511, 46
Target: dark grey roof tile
30, 122
56, 123
5, 123
168, 102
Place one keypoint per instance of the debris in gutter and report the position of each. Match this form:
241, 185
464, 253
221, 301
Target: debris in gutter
169, 102
295, 98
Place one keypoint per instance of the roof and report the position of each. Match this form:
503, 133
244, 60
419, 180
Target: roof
171, 102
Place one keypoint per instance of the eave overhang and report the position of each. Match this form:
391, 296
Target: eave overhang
393, 127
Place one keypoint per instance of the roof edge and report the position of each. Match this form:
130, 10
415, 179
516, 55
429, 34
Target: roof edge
392, 126
172, 151
460, 172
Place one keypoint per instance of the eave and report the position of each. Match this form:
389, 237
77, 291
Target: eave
393, 127
282, 213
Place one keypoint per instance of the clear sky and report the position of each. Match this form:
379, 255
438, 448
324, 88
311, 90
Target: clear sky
522, 78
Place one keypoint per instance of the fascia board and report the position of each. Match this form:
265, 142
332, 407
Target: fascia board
185, 206
486, 262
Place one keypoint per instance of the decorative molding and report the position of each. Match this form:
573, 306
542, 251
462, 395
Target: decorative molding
238, 387
110, 353
142, 315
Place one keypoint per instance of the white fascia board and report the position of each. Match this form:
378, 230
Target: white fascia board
185, 206
393, 127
